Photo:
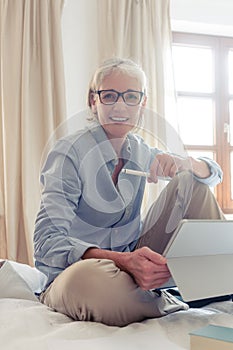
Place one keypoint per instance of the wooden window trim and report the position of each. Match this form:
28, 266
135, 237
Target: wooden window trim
221, 98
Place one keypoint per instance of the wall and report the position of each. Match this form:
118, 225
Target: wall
80, 47
202, 16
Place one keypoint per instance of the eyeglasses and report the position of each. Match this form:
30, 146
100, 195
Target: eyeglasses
130, 97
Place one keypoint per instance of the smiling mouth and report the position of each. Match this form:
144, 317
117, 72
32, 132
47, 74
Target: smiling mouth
119, 119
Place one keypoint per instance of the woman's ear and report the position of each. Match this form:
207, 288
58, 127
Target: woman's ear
92, 102
143, 106
144, 101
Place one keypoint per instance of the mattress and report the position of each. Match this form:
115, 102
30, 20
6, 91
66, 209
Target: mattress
25, 323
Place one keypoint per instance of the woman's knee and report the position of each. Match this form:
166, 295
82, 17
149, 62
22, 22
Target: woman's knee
187, 185
91, 290
201, 201
87, 277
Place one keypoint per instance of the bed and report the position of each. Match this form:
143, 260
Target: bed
27, 324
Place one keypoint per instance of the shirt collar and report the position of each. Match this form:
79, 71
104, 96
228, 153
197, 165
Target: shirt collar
105, 145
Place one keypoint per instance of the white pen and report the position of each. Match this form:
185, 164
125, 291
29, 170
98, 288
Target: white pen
135, 172
142, 173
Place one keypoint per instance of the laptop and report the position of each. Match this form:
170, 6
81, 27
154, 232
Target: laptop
200, 259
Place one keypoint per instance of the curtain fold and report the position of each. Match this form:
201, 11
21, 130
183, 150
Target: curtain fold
140, 30
32, 101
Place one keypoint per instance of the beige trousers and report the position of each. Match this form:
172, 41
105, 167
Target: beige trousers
97, 290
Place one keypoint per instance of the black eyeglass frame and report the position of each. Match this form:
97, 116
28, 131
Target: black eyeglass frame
98, 92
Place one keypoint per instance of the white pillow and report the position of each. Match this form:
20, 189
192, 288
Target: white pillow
35, 279
19, 281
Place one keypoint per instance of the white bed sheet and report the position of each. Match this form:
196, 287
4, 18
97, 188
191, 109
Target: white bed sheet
27, 324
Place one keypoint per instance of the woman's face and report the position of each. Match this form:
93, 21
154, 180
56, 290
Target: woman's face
119, 118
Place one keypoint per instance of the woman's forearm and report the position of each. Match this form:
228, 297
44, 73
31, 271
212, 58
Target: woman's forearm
119, 258
148, 268
199, 168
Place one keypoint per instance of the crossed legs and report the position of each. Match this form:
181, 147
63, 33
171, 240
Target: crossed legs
97, 290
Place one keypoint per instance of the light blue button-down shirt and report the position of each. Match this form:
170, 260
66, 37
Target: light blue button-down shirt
82, 208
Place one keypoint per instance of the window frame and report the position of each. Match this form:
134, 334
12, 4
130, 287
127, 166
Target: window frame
221, 98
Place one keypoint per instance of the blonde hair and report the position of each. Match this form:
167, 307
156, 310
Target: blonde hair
124, 65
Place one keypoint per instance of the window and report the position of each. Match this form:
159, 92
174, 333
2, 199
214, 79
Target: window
203, 68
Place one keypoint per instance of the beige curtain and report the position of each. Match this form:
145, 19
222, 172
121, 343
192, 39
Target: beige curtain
32, 102
140, 30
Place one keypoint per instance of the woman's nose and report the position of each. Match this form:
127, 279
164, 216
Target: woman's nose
120, 104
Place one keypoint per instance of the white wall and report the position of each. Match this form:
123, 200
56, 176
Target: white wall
80, 47
202, 16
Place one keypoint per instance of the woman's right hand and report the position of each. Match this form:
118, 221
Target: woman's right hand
148, 268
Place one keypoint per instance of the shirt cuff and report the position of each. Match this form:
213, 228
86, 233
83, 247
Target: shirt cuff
216, 174
76, 253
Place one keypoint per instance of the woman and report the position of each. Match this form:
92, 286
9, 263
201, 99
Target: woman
102, 262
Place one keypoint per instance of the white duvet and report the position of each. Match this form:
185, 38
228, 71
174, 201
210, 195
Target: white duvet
27, 324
